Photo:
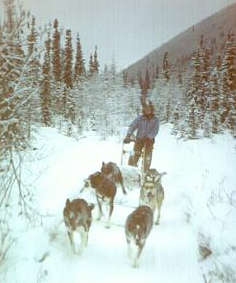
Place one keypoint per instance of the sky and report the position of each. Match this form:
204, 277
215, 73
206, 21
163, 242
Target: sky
123, 30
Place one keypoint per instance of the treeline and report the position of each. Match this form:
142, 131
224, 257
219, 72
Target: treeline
196, 94
44, 81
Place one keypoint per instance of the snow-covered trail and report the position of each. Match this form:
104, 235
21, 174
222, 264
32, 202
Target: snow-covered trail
170, 254
171, 251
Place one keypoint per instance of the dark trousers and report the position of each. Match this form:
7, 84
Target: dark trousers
140, 144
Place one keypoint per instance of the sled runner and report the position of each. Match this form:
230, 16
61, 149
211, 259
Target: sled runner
126, 152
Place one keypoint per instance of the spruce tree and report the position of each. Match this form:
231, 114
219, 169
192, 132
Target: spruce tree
175, 119
91, 66
157, 72
229, 83
79, 71
215, 102
113, 70
125, 79
33, 74
32, 37
56, 53
46, 84
166, 67
68, 60
226, 100
228, 64
12, 60
68, 103
191, 130
193, 93
204, 87
95, 61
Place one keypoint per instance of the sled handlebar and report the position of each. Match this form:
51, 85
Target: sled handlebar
131, 139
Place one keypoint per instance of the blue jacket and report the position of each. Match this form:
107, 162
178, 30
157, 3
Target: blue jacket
146, 128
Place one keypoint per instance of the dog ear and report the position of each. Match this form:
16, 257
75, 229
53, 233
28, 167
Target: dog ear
91, 206
67, 202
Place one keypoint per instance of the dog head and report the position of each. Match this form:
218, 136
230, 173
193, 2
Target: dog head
92, 181
106, 168
148, 191
77, 213
139, 223
153, 176
70, 215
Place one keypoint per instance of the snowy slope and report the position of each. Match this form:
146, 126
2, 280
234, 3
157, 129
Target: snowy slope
196, 172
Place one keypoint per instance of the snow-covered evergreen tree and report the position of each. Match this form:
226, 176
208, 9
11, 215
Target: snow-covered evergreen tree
229, 83
79, 68
191, 126
214, 102
46, 85
56, 53
166, 67
91, 65
19, 62
68, 78
12, 64
95, 61
33, 77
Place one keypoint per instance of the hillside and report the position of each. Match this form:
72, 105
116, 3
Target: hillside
214, 29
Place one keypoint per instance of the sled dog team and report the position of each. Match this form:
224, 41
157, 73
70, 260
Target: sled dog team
78, 213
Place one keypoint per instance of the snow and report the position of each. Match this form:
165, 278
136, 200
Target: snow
199, 187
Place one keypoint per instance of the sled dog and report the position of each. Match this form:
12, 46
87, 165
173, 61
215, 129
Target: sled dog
137, 228
105, 191
112, 171
152, 192
78, 217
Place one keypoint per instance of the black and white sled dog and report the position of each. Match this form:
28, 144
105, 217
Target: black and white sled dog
78, 217
105, 191
152, 192
137, 228
112, 171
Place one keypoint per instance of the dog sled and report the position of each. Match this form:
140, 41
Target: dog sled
127, 154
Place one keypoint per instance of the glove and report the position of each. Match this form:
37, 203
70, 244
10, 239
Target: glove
126, 139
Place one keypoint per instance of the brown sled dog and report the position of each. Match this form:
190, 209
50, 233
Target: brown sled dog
105, 191
78, 217
137, 228
112, 171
